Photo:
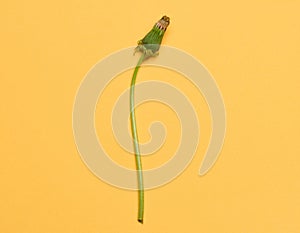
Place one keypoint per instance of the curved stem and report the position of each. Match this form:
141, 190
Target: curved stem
138, 160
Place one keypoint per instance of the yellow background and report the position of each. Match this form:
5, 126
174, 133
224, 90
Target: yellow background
252, 48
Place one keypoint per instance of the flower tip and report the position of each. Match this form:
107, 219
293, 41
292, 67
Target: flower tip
166, 19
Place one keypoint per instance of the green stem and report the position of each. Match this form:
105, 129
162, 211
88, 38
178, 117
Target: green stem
138, 160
